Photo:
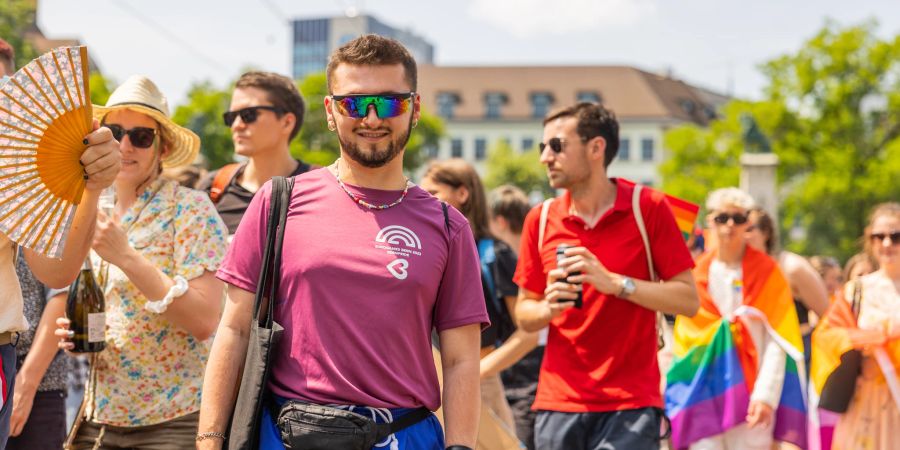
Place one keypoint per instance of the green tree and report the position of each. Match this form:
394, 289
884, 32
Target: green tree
318, 145
16, 18
524, 170
202, 113
832, 113
100, 88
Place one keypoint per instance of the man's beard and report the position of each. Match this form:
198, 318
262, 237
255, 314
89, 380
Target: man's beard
375, 158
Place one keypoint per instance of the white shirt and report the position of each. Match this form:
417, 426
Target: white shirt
726, 290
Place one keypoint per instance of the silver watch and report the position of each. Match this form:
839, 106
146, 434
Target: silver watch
628, 287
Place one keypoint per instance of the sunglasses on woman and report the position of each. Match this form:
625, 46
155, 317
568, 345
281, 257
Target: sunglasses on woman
249, 114
140, 137
738, 219
880, 237
386, 105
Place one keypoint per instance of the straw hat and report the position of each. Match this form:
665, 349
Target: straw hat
139, 94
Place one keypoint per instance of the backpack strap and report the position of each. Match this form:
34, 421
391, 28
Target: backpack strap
542, 226
639, 218
221, 181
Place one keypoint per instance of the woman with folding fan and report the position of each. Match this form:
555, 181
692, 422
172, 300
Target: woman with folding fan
155, 257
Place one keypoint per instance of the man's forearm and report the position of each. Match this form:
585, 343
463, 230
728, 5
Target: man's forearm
675, 296
462, 402
531, 315
222, 376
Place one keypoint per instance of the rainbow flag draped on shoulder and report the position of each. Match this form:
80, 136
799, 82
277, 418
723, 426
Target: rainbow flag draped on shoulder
716, 362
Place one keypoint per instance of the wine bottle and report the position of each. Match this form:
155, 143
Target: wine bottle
86, 310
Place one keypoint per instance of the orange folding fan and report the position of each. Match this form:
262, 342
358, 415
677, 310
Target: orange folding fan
45, 113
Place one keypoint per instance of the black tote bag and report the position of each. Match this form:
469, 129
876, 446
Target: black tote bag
841, 384
264, 331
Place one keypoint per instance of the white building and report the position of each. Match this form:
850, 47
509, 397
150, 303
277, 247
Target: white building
483, 105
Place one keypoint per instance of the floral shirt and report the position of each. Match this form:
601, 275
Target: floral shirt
152, 371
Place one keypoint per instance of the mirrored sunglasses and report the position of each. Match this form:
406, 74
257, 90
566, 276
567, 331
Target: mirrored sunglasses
249, 114
140, 137
386, 105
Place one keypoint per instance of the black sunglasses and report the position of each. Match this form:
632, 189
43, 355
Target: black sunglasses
894, 236
739, 219
250, 114
140, 137
555, 144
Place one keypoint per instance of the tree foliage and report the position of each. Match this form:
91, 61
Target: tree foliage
524, 170
202, 113
832, 113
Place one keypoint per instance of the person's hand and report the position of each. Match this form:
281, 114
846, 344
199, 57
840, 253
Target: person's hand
102, 158
23, 400
64, 334
110, 241
558, 295
580, 259
759, 414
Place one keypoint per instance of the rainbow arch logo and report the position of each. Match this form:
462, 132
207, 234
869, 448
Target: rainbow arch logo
399, 235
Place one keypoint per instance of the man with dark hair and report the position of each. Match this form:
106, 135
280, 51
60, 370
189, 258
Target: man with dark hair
372, 264
265, 115
599, 381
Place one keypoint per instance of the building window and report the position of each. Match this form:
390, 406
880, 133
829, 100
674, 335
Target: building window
540, 104
431, 151
647, 149
527, 144
624, 149
446, 103
456, 148
480, 148
589, 96
493, 103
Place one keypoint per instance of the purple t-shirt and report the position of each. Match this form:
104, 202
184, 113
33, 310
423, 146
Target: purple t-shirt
360, 291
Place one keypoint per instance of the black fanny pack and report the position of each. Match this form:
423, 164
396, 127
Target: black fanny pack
309, 426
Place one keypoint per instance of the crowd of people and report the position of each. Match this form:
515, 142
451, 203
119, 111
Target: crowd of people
542, 323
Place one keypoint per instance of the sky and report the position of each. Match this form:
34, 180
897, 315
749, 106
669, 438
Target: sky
717, 44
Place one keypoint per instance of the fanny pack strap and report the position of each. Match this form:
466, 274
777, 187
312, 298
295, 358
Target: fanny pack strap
407, 420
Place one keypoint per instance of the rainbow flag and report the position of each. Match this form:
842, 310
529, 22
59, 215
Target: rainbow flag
715, 366
685, 214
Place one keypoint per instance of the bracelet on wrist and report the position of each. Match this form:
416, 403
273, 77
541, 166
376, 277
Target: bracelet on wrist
210, 435
177, 290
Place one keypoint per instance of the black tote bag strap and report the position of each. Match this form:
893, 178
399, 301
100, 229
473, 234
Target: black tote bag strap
270, 270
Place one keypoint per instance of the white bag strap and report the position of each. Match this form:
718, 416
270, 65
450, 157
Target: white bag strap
542, 226
639, 218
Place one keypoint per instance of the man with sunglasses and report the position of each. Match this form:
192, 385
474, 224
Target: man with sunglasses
600, 382
265, 115
371, 265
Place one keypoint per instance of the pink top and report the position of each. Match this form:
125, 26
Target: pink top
361, 291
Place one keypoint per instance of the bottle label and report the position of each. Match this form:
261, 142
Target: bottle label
96, 327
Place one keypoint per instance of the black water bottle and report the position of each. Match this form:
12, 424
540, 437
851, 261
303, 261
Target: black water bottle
561, 255
86, 311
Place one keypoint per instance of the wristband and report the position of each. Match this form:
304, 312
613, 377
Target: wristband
177, 290
458, 447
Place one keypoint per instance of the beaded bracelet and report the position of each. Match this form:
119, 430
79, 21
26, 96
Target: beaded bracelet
210, 435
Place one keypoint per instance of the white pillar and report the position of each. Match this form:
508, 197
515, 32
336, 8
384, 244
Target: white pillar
758, 178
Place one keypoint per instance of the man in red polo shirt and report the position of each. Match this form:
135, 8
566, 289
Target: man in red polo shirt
599, 382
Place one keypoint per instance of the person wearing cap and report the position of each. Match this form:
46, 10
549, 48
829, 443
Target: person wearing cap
155, 257
101, 161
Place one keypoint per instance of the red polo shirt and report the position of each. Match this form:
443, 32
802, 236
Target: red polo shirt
602, 357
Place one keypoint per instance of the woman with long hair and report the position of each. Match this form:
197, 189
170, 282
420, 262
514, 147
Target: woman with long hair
456, 182
155, 255
867, 318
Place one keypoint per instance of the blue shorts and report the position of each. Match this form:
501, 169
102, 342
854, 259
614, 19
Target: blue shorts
425, 435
